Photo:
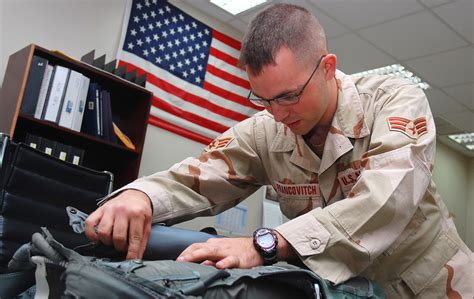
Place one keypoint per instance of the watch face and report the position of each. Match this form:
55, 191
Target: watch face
266, 240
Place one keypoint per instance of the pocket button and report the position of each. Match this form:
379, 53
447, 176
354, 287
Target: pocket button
315, 243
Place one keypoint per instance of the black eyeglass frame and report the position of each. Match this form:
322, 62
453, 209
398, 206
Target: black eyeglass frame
288, 99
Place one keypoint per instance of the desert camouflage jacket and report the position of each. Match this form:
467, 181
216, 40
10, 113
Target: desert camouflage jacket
368, 207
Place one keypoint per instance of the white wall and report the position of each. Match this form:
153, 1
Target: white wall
78, 26
453, 175
469, 235
74, 27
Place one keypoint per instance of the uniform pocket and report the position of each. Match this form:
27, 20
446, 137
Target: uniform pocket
413, 226
427, 266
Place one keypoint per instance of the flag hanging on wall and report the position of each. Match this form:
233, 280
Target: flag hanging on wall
191, 68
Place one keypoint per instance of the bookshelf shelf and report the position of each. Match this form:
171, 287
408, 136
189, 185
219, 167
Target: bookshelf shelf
32, 124
130, 110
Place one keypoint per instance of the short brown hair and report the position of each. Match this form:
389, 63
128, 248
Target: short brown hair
282, 25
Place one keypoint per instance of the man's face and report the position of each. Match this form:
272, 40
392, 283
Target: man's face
288, 76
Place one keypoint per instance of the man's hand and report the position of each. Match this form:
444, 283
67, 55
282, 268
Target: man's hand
223, 253
124, 222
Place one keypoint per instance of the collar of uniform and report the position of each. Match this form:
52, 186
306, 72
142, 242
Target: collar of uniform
335, 146
284, 140
348, 122
302, 155
350, 113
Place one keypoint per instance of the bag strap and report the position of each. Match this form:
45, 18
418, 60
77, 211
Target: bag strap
201, 286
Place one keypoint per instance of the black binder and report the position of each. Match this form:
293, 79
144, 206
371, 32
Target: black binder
91, 119
109, 134
33, 85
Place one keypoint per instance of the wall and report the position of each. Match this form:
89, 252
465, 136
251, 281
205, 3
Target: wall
74, 27
469, 236
454, 178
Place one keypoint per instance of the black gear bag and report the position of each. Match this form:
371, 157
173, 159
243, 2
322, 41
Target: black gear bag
35, 188
64, 273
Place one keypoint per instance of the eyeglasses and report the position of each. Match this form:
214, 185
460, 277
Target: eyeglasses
285, 100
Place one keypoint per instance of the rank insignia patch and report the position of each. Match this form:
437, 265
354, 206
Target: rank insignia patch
219, 143
411, 128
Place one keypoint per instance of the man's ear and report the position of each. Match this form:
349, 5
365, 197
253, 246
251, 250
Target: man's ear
329, 65
249, 71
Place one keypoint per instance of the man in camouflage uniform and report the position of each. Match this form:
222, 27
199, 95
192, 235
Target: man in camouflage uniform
350, 158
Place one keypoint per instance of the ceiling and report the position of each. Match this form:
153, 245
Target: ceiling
434, 39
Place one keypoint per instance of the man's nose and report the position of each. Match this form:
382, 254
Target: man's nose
279, 112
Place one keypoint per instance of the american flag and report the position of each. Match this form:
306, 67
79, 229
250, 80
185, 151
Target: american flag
198, 90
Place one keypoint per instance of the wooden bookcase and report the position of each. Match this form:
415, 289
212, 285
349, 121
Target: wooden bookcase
130, 108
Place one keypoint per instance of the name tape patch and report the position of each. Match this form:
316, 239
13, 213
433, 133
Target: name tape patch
298, 190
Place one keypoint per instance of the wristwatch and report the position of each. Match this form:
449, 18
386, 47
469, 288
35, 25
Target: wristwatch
265, 241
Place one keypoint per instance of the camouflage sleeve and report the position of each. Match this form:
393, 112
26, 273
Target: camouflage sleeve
226, 172
341, 240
